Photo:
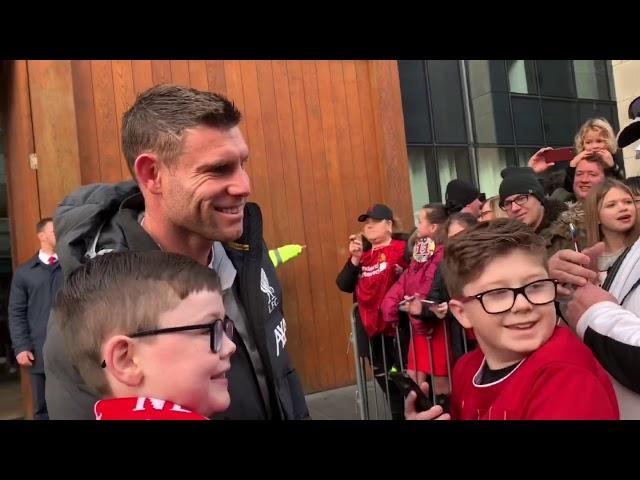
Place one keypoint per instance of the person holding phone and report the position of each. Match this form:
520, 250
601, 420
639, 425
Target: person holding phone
369, 273
415, 282
596, 143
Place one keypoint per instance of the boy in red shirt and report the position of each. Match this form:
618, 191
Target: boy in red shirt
527, 367
148, 332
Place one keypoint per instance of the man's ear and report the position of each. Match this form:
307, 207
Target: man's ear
458, 310
148, 169
119, 355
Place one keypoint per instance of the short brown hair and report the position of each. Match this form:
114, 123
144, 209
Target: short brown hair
122, 293
43, 223
595, 157
158, 118
467, 254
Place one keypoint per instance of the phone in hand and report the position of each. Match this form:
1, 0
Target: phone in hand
405, 301
556, 155
406, 385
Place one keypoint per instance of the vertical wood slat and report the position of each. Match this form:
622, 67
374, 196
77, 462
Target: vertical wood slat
313, 313
161, 71
106, 121
124, 97
318, 160
198, 74
86, 121
22, 183
180, 72
55, 131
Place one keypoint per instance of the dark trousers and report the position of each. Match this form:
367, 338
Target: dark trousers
37, 394
396, 400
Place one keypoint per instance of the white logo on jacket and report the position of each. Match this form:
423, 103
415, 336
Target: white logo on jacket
280, 333
272, 300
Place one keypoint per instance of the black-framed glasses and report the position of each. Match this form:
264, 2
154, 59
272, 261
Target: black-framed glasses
519, 200
216, 330
500, 300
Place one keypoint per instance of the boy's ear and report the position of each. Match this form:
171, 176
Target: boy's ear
119, 355
458, 310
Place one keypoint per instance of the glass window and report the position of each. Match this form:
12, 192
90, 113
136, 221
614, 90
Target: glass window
491, 118
555, 78
453, 162
419, 157
491, 161
522, 77
560, 122
527, 120
486, 76
417, 121
587, 110
524, 154
446, 101
591, 79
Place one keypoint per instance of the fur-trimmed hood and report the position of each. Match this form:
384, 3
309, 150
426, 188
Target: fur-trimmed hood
558, 236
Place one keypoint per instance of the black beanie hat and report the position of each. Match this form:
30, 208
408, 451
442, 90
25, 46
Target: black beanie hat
520, 181
459, 194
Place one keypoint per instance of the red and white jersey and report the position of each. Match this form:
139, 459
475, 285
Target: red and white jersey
377, 275
142, 408
561, 380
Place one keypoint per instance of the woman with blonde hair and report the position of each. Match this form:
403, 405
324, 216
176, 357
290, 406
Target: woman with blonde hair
491, 209
610, 217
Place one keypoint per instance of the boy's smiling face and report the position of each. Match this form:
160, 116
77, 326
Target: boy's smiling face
180, 367
508, 337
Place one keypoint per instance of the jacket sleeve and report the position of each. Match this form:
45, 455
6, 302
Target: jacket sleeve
389, 305
348, 277
18, 319
300, 409
438, 293
613, 335
67, 396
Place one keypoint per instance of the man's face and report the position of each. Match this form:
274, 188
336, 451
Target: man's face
510, 336
587, 175
524, 208
48, 236
205, 191
473, 208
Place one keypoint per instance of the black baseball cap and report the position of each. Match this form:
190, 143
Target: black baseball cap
377, 212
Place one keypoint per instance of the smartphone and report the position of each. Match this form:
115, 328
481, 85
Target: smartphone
558, 155
405, 384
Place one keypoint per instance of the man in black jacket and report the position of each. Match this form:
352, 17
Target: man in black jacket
33, 289
187, 154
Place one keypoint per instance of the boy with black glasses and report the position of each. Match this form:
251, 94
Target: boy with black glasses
148, 333
527, 367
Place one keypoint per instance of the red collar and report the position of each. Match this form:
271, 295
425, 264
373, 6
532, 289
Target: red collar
142, 408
